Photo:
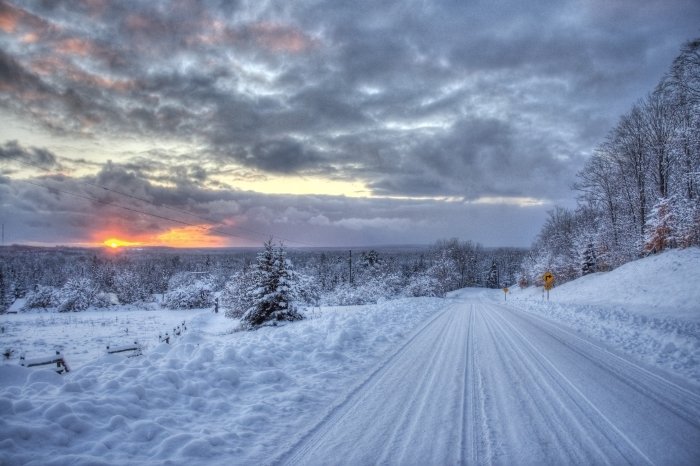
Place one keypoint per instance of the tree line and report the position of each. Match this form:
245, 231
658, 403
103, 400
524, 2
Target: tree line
639, 193
73, 278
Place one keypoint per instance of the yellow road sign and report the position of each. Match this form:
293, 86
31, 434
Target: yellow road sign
548, 277
505, 290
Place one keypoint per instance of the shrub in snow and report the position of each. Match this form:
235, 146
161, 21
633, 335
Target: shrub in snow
423, 284
78, 294
271, 290
306, 289
660, 227
129, 287
195, 294
444, 272
234, 298
103, 300
42, 298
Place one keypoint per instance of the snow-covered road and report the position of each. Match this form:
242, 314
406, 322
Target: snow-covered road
483, 383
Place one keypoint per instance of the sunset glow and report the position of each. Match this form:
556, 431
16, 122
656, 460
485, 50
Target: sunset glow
116, 243
198, 236
195, 236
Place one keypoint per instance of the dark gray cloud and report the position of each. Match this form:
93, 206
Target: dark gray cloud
12, 151
412, 98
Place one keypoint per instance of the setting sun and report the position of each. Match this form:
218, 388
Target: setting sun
115, 243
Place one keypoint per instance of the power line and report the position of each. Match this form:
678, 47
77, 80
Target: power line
174, 209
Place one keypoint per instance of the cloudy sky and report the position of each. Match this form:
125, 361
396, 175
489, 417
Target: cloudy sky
338, 123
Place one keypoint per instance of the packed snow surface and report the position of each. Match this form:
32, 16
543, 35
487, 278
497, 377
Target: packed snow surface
469, 379
481, 384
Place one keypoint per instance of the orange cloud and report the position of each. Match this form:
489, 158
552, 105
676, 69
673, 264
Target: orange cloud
197, 236
30, 38
53, 66
191, 237
74, 46
13, 19
9, 18
273, 36
280, 37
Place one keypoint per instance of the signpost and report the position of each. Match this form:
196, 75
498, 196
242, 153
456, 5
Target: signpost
548, 279
505, 293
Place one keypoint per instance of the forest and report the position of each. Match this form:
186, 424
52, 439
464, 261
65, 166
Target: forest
639, 193
73, 279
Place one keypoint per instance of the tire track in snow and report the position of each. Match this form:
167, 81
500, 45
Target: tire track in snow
582, 396
302, 446
566, 433
664, 390
539, 424
658, 415
414, 407
481, 384
471, 400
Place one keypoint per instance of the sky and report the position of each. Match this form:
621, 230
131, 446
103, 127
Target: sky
340, 123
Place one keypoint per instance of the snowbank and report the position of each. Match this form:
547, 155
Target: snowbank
649, 308
212, 396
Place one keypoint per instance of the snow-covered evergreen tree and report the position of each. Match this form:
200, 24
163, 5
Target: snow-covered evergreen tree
492, 278
234, 298
43, 297
272, 290
687, 222
588, 259
77, 294
4, 304
129, 287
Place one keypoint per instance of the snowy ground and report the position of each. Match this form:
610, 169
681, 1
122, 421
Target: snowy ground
484, 384
597, 375
84, 336
211, 396
648, 308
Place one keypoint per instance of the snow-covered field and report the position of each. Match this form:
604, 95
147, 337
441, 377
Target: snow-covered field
211, 395
648, 308
84, 336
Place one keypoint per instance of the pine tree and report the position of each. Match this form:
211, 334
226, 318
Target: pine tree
588, 260
77, 294
272, 289
234, 297
3, 293
492, 279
